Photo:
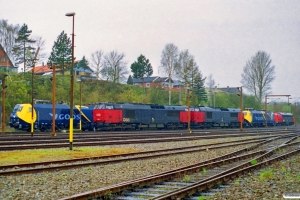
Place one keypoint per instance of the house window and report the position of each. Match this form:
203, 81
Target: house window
147, 84
3, 59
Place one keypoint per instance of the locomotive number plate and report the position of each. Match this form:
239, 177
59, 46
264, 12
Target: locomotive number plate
126, 119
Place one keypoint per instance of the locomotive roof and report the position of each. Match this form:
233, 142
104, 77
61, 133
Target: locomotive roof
50, 106
206, 108
122, 105
283, 113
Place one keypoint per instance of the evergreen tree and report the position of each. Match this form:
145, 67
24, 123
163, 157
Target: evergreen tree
141, 68
199, 89
83, 63
22, 46
130, 80
61, 55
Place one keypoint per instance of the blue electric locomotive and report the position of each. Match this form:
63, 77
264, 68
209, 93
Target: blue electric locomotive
22, 117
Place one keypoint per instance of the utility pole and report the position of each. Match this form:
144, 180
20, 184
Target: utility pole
3, 102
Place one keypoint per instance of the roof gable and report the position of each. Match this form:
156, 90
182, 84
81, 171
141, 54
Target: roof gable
4, 59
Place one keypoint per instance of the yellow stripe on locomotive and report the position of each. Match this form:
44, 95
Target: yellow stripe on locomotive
25, 113
248, 116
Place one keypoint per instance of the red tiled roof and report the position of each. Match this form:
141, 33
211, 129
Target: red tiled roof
43, 69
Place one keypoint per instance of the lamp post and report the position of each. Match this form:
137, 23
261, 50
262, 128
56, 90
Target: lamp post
53, 79
189, 112
71, 14
80, 102
3, 102
295, 111
179, 92
241, 107
32, 103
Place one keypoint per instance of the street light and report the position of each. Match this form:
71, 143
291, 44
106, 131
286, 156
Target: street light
32, 103
189, 112
72, 14
3, 102
179, 92
53, 79
80, 102
241, 106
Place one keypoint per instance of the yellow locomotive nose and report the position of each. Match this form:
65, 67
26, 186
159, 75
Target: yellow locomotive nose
25, 113
247, 116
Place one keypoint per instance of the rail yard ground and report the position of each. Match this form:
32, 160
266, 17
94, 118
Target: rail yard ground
268, 183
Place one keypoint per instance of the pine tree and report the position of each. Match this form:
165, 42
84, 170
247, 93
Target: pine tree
61, 55
199, 89
22, 45
141, 68
83, 64
130, 80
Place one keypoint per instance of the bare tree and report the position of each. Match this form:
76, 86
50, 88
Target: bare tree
258, 75
183, 64
210, 84
96, 62
114, 67
8, 33
169, 57
40, 43
187, 68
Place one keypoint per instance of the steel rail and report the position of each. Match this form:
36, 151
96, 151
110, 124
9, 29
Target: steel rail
164, 152
106, 191
132, 141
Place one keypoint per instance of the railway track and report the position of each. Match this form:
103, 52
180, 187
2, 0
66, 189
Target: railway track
21, 143
20, 133
201, 177
103, 160
139, 133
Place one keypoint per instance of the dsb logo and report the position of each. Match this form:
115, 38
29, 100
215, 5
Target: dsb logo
65, 116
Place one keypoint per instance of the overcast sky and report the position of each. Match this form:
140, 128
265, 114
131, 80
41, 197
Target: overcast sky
221, 34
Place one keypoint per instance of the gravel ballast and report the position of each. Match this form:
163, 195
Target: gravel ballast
269, 184
58, 184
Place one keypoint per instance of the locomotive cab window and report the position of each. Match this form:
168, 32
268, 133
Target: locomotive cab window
209, 115
130, 114
233, 114
17, 108
172, 113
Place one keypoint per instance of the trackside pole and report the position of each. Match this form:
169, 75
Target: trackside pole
71, 133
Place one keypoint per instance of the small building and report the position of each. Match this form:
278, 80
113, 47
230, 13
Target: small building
5, 62
154, 82
78, 71
159, 82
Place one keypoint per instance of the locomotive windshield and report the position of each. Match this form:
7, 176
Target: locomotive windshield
17, 108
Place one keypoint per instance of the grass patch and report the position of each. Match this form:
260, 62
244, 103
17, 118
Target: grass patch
266, 174
253, 162
237, 182
186, 178
42, 155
